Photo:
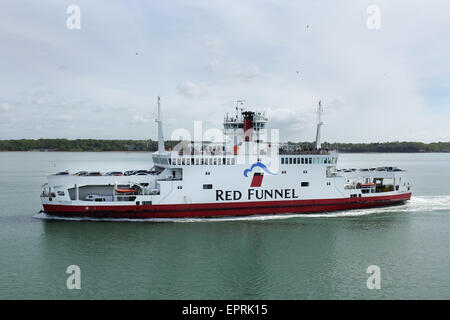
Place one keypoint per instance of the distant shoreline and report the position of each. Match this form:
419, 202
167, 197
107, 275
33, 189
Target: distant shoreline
151, 151
97, 145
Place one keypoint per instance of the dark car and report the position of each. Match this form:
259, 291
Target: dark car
129, 173
62, 173
95, 173
81, 173
137, 172
114, 173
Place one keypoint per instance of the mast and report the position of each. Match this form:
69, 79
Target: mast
161, 147
319, 126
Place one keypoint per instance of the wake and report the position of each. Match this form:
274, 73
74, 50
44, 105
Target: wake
416, 204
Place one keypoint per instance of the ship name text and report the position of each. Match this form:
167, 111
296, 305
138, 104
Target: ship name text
256, 194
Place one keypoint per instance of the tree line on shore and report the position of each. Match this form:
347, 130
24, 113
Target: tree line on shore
150, 145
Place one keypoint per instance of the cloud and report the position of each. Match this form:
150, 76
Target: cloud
248, 73
5, 107
139, 119
65, 118
190, 89
202, 56
213, 65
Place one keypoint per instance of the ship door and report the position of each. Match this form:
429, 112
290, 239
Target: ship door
173, 174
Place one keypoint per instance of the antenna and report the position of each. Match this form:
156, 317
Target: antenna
319, 125
237, 107
161, 147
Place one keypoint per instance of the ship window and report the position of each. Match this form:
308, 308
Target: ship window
183, 161
60, 193
232, 161
310, 160
282, 160
303, 160
290, 160
207, 186
224, 161
305, 184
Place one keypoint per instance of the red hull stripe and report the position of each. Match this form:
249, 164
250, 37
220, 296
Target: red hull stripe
222, 209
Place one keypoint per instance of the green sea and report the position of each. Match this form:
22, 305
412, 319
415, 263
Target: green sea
318, 256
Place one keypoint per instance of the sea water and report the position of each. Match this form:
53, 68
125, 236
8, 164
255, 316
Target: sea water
292, 256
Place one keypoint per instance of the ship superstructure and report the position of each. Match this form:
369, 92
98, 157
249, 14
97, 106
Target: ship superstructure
248, 172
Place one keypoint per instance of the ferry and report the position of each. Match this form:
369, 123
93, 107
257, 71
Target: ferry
246, 173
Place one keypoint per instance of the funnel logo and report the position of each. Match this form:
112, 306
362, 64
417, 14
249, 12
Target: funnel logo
257, 176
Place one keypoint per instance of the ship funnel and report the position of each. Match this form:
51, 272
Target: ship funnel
161, 147
248, 124
319, 126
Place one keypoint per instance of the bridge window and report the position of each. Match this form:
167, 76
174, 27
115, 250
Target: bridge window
207, 186
305, 184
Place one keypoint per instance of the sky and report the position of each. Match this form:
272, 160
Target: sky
382, 74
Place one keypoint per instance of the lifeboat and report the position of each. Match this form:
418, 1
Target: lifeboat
370, 184
125, 190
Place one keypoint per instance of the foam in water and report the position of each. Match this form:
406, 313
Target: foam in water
416, 204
